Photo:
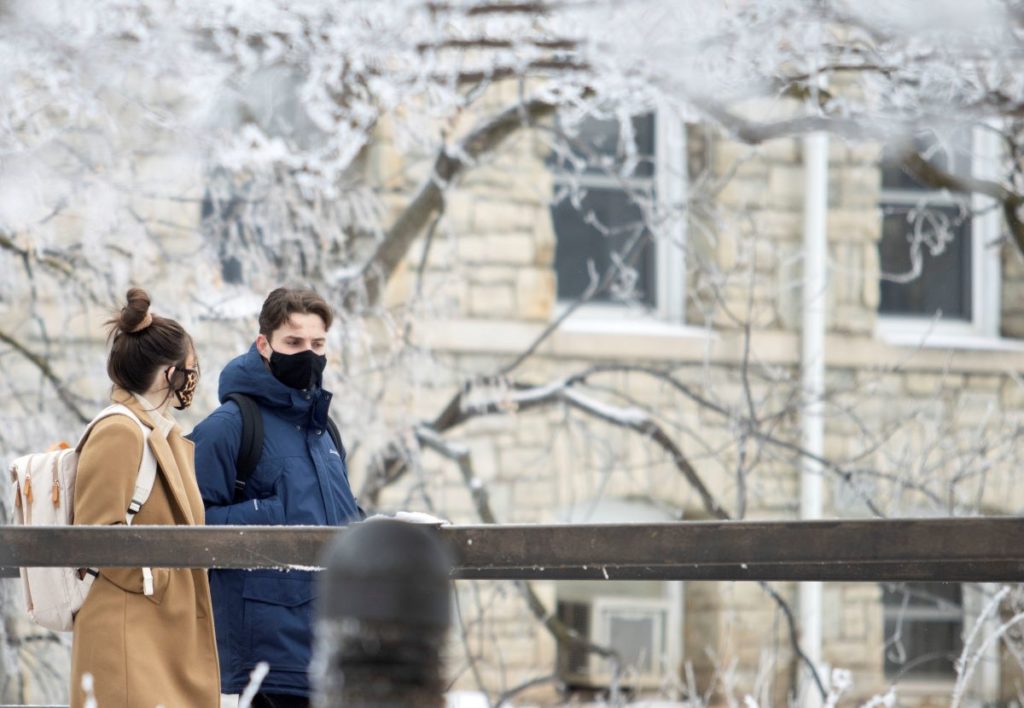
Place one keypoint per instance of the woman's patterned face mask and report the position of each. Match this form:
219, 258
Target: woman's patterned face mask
187, 392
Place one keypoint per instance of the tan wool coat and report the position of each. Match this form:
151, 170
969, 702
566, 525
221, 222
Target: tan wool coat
143, 651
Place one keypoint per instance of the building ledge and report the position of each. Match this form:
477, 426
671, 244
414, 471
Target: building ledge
949, 341
679, 344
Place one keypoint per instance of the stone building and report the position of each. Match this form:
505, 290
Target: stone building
923, 408
919, 371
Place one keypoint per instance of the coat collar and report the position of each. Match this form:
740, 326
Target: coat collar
163, 431
159, 422
138, 405
248, 374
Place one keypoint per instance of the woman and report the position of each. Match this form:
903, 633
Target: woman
144, 650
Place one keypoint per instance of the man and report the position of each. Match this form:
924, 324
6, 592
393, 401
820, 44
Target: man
300, 478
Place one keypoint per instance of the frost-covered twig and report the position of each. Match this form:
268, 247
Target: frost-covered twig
48, 373
511, 693
256, 677
971, 656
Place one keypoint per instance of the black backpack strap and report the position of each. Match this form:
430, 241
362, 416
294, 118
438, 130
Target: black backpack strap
335, 434
250, 446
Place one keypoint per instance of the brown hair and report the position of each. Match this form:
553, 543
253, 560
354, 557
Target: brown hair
282, 303
137, 348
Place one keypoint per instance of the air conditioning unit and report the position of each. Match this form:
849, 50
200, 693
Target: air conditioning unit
634, 627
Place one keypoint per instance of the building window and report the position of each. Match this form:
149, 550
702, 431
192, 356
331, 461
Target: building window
618, 207
938, 252
923, 627
634, 620
641, 620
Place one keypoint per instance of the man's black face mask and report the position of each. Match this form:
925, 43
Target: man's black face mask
302, 371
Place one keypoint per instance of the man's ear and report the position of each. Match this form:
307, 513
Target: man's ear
263, 346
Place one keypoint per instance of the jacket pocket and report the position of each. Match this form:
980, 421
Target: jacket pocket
266, 478
278, 619
131, 580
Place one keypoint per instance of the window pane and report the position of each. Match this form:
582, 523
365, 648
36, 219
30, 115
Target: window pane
941, 596
923, 626
579, 240
944, 282
952, 155
598, 142
931, 649
632, 638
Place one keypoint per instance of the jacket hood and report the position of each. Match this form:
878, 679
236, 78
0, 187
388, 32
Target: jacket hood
248, 374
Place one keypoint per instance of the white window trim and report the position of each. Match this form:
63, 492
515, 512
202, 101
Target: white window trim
670, 186
982, 332
619, 320
670, 178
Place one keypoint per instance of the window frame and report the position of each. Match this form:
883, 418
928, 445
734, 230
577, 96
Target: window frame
670, 184
908, 615
985, 687
659, 608
985, 273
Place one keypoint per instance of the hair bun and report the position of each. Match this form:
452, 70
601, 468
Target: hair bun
135, 316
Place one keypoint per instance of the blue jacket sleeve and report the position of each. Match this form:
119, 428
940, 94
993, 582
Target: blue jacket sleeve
217, 439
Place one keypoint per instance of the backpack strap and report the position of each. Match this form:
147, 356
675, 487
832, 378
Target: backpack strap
332, 429
250, 446
147, 469
143, 482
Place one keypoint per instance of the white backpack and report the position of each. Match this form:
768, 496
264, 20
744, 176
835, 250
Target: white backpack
43, 488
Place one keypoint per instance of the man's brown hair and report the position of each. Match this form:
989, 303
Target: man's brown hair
282, 303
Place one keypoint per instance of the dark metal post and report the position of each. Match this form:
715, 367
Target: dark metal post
383, 612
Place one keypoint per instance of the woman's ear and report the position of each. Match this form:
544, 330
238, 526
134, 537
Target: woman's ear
170, 374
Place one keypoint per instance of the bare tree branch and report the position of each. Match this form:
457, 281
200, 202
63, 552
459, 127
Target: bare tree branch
493, 43
429, 200
938, 178
48, 373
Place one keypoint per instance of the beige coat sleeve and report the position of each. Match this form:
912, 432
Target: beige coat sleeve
107, 471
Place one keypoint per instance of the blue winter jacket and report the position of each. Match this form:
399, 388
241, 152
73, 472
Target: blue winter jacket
301, 479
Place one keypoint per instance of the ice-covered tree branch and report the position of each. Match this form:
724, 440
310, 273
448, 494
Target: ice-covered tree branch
449, 164
48, 373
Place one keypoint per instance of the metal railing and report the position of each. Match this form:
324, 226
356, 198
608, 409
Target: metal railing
986, 549
390, 561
